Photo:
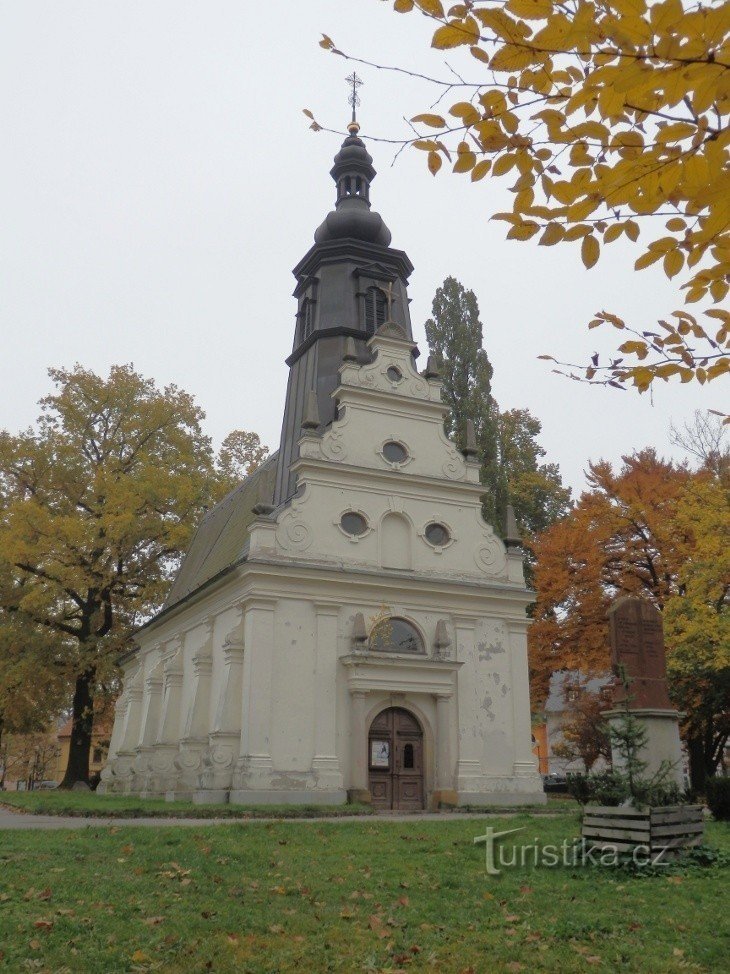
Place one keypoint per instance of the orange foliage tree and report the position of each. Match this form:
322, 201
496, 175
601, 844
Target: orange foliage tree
632, 533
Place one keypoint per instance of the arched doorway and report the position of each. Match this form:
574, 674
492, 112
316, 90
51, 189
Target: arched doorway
395, 761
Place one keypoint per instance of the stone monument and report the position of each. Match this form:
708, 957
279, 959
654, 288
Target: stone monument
637, 651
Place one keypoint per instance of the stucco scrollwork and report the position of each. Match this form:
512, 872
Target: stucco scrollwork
490, 556
453, 465
293, 532
333, 445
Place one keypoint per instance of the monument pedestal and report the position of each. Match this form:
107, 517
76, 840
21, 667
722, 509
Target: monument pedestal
663, 742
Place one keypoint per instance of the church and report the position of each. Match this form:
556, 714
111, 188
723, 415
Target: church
344, 625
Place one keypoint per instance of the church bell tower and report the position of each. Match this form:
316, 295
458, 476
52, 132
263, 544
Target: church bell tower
348, 284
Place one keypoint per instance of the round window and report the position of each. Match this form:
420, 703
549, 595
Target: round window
394, 374
437, 535
395, 452
353, 523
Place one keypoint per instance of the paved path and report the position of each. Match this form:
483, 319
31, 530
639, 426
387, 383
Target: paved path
16, 820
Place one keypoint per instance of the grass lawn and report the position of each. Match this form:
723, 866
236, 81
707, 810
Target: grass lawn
381, 895
131, 806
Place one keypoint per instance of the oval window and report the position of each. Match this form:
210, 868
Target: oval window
437, 535
353, 523
395, 452
394, 374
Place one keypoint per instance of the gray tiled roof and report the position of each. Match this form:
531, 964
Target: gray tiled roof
221, 537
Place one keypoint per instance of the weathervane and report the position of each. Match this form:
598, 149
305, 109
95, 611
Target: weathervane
354, 100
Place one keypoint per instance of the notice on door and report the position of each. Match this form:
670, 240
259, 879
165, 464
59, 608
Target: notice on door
379, 754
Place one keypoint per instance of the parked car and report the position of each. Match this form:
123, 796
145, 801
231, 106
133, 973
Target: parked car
46, 785
555, 783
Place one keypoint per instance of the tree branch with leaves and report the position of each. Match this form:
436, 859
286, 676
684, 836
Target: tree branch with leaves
611, 120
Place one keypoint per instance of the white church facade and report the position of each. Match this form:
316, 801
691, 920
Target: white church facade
345, 624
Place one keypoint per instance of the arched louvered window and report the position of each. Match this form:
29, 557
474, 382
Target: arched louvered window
394, 635
375, 305
307, 318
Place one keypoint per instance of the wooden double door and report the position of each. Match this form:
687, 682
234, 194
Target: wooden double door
395, 761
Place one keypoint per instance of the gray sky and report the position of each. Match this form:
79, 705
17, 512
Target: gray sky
159, 182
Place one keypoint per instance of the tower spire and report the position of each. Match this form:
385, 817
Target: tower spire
354, 99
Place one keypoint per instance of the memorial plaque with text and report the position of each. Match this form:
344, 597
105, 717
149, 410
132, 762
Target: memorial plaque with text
637, 645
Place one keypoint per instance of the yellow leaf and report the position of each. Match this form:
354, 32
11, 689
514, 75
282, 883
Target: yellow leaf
431, 7
613, 232
456, 33
530, 9
465, 111
426, 144
465, 161
503, 164
631, 229
434, 121
577, 232
650, 257
479, 54
480, 170
673, 262
589, 250
403, 6
327, 43
434, 162
523, 231
554, 233
511, 58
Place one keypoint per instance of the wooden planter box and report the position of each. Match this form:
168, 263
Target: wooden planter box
671, 827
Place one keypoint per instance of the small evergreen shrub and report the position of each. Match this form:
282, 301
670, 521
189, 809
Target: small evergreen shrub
718, 798
602, 788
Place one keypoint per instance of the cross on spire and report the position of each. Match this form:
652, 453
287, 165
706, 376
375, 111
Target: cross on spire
354, 100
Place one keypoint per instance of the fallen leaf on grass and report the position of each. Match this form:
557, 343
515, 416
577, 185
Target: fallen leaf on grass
139, 956
276, 928
153, 921
43, 924
678, 952
512, 918
376, 925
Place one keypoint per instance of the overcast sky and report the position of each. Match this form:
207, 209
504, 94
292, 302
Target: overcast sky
159, 182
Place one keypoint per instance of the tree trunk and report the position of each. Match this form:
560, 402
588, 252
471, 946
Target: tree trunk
77, 768
697, 772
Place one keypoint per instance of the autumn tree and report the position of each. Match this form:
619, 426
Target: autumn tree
610, 122
584, 731
240, 454
97, 503
655, 529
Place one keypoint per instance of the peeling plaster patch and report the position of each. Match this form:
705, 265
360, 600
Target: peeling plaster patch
488, 650
497, 679
486, 707
505, 690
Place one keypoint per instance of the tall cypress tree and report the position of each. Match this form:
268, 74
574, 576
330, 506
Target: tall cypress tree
511, 471
454, 335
